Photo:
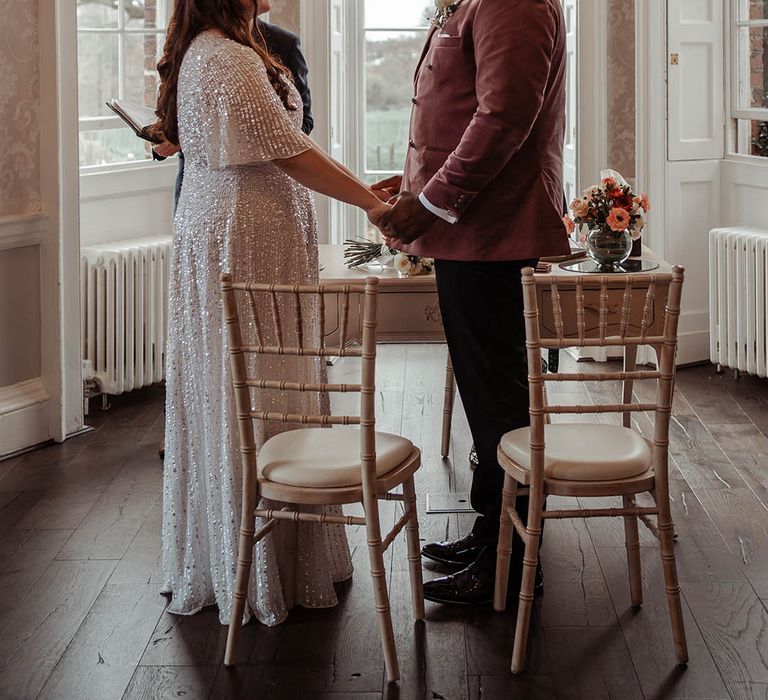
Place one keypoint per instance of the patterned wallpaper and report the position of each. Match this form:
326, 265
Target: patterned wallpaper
286, 14
621, 87
19, 108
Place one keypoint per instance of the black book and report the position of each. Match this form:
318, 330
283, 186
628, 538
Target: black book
138, 117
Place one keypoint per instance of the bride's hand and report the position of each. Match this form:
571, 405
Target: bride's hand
376, 213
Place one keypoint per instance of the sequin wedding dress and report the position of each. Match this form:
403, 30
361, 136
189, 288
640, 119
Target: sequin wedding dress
240, 214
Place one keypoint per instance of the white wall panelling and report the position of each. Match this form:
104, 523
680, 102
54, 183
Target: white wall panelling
131, 202
696, 76
744, 192
693, 210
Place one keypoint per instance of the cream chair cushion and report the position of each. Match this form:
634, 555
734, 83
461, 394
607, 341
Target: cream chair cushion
582, 451
326, 457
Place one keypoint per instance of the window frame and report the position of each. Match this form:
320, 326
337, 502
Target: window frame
107, 122
738, 145
363, 30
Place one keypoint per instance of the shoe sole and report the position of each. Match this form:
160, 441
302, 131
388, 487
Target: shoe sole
447, 562
537, 592
463, 604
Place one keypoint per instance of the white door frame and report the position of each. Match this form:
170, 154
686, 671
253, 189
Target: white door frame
651, 123
50, 407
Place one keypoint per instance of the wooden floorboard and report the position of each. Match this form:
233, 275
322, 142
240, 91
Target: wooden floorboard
81, 613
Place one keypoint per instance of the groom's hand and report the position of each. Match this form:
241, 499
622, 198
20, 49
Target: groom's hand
408, 220
386, 189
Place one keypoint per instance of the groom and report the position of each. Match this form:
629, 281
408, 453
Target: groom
482, 194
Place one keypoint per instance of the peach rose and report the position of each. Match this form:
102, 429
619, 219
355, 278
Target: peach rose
610, 184
643, 202
580, 207
618, 219
570, 227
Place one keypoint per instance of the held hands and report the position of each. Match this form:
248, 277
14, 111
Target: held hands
404, 222
386, 189
407, 220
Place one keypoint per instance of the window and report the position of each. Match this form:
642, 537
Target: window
749, 75
119, 43
395, 32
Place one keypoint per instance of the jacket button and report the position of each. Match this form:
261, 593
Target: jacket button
413, 99
411, 143
429, 66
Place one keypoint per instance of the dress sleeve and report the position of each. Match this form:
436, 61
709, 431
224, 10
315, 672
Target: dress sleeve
249, 123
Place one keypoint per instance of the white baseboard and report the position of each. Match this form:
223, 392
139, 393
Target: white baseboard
24, 416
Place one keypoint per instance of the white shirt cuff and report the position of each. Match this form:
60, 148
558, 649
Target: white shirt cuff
444, 214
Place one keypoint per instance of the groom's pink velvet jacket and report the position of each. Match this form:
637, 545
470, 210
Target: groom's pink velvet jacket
487, 132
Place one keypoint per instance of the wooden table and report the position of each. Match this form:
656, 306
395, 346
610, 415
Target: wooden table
409, 311
408, 307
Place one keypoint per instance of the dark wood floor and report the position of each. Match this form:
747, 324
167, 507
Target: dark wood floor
81, 613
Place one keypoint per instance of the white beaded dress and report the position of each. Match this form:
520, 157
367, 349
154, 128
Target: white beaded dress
238, 213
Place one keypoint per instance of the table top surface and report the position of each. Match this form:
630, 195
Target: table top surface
335, 271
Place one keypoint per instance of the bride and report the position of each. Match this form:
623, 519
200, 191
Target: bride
246, 209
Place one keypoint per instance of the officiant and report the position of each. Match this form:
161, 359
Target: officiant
286, 46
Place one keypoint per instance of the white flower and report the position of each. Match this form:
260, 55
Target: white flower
637, 227
402, 263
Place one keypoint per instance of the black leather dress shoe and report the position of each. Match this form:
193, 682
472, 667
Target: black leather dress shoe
461, 552
474, 586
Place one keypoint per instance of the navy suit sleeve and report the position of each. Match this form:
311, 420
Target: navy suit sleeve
297, 64
287, 47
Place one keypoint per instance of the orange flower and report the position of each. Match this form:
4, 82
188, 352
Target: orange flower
610, 184
643, 202
570, 227
618, 219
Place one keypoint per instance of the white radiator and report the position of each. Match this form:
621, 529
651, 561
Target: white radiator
738, 287
124, 297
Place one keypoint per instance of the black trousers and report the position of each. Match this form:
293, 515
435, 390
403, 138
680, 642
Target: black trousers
482, 309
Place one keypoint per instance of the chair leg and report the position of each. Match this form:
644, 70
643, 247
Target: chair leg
240, 594
530, 561
632, 540
448, 401
504, 548
291, 552
414, 550
671, 584
381, 595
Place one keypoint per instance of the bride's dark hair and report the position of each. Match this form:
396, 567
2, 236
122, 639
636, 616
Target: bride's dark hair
190, 18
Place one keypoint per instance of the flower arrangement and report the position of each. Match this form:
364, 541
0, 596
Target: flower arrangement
610, 206
363, 252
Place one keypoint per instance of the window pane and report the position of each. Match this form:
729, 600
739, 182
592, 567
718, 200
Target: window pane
97, 14
753, 9
391, 59
753, 49
398, 14
107, 146
144, 14
752, 138
142, 52
97, 72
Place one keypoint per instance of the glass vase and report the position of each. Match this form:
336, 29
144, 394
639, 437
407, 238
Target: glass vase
608, 248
